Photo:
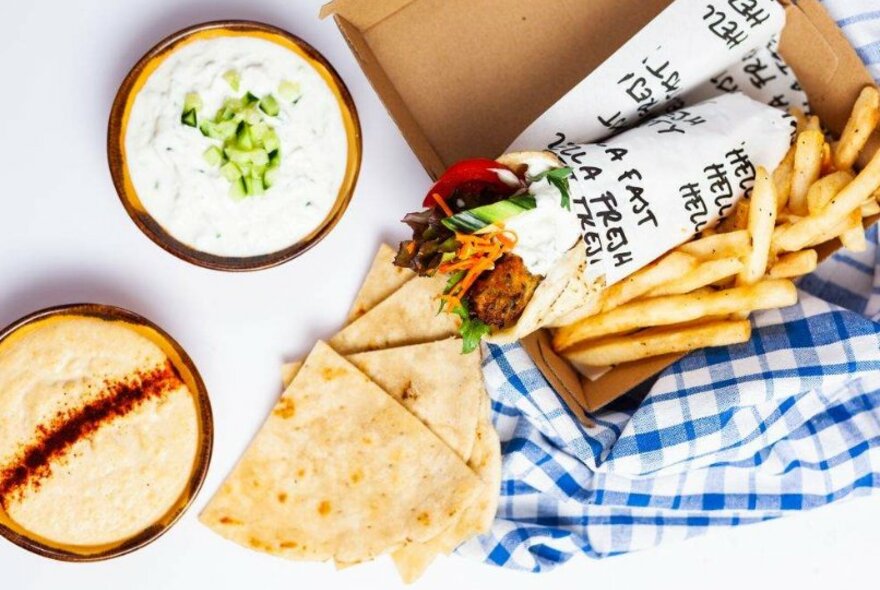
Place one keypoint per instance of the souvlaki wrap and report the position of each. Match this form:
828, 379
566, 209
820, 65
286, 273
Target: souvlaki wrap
530, 240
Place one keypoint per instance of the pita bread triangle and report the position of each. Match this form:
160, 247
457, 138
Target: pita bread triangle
340, 470
383, 279
407, 316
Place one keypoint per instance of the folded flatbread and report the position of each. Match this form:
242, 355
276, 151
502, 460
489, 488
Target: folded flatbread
340, 470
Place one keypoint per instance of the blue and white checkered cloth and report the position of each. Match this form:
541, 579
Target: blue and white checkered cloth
727, 436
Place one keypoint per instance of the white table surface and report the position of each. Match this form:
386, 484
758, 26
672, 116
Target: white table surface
64, 237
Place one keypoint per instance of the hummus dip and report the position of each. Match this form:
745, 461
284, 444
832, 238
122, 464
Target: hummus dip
100, 434
185, 190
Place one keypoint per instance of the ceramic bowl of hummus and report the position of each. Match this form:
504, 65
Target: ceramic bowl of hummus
234, 145
107, 432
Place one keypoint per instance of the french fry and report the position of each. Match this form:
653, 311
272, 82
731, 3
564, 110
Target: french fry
836, 231
799, 235
824, 189
827, 160
657, 341
787, 217
675, 309
813, 123
853, 238
870, 207
737, 219
782, 179
707, 273
673, 265
734, 243
807, 166
794, 264
861, 124
762, 220
799, 117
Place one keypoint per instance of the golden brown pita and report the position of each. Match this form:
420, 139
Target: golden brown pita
420, 378
382, 280
340, 470
414, 558
407, 316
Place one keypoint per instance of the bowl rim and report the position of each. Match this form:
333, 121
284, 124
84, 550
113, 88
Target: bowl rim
152, 229
201, 461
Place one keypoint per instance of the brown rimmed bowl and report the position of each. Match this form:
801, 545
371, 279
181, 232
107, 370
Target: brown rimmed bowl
121, 110
188, 373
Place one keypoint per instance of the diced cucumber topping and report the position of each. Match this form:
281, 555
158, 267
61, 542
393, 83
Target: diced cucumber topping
271, 141
230, 171
233, 79
248, 150
289, 91
238, 190
192, 101
271, 175
189, 118
214, 156
474, 220
254, 184
243, 137
269, 105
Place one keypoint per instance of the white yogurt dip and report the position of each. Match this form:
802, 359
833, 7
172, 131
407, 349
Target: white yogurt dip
189, 197
547, 232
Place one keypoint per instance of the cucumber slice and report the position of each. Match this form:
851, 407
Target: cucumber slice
259, 157
209, 129
254, 185
230, 171
214, 156
474, 220
189, 118
270, 176
243, 139
192, 101
289, 91
238, 189
254, 157
259, 131
233, 79
249, 98
269, 105
271, 141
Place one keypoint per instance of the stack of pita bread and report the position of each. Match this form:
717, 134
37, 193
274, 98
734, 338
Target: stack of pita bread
381, 442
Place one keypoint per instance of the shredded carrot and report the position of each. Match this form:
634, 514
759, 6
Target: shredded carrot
475, 255
442, 203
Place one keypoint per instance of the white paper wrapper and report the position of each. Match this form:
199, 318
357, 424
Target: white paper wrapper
670, 62
649, 189
761, 74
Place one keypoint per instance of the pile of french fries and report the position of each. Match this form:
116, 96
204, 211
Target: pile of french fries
701, 293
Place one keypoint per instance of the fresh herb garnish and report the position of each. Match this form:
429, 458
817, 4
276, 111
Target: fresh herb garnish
558, 177
472, 330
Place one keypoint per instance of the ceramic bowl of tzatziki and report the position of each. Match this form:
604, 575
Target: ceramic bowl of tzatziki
234, 145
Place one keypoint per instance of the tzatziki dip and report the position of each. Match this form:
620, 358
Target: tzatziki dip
236, 146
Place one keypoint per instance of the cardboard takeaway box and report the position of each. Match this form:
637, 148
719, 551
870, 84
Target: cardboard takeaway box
463, 78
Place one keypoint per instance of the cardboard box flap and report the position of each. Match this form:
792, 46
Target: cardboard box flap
392, 100
825, 63
362, 15
473, 75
